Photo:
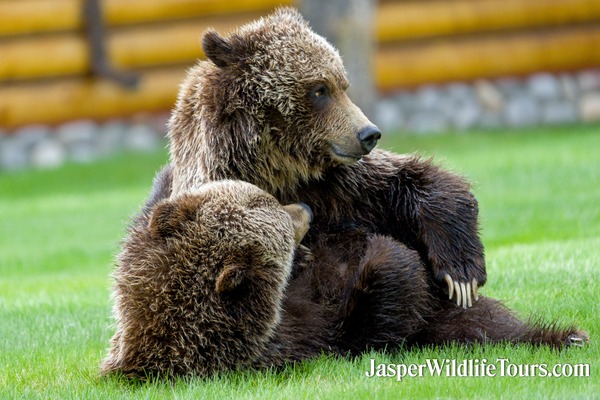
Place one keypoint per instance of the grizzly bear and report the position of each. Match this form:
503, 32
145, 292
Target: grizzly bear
269, 107
199, 286
215, 280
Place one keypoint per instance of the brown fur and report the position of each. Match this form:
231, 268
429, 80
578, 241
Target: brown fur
269, 107
250, 112
198, 289
206, 284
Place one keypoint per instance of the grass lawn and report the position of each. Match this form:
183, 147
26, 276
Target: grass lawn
539, 193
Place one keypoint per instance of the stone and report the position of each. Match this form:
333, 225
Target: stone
140, 137
77, 131
589, 107
428, 122
406, 101
111, 137
3, 137
509, 86
544, 86
429, 97
47, 153
459, 91
464, 113
558, 112
30, 134
489, 96
569, 86
388, 115
159, 123
79, 139
522, 110
13, 155
589, 80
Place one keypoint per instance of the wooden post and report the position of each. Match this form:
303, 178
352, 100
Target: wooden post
349, 25
101, 65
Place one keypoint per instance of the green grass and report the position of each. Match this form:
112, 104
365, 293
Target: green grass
539, 193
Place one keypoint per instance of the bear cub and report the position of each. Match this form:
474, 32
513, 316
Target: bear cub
199, 287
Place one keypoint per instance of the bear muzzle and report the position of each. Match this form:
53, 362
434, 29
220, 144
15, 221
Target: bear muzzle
353, 148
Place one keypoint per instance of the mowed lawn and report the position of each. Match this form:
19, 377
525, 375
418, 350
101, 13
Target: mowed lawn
539, 193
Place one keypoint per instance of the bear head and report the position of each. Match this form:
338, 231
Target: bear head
268, 107
199, 289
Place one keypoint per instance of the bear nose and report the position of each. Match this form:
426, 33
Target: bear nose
368, 136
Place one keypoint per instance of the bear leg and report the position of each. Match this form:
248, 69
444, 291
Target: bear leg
386, 299
489, 321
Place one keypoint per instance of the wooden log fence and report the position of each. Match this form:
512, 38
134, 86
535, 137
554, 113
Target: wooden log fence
45, 68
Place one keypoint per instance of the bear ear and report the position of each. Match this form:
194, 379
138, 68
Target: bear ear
231, 277
219, 50
163, 221
302, 216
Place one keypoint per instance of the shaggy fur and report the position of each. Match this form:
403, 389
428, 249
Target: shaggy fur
201, 282
206, 284
269, 107
198, 289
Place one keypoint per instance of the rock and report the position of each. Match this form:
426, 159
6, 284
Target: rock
47, 153
13, 155
522, 110
544, 86
406, 101
569, 86
509, 86
428, 122
489, 96
589, 80
558, 112
30, 134
3, 137
111, 137
79, 139
464, 113
140, 137
429, 98
589, 107
462, 108
77, 131
159, 124
388, 115
459, 92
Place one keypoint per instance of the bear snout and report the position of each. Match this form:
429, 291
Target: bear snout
353, 147
368, 137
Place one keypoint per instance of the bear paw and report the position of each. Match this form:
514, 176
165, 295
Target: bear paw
465, 293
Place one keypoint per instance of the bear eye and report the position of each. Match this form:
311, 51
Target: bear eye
319, 95
320, 91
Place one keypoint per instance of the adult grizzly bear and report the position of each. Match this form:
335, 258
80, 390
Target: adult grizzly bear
211, 282
269, 107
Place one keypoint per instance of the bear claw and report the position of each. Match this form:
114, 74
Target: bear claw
578, 339
465, 293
